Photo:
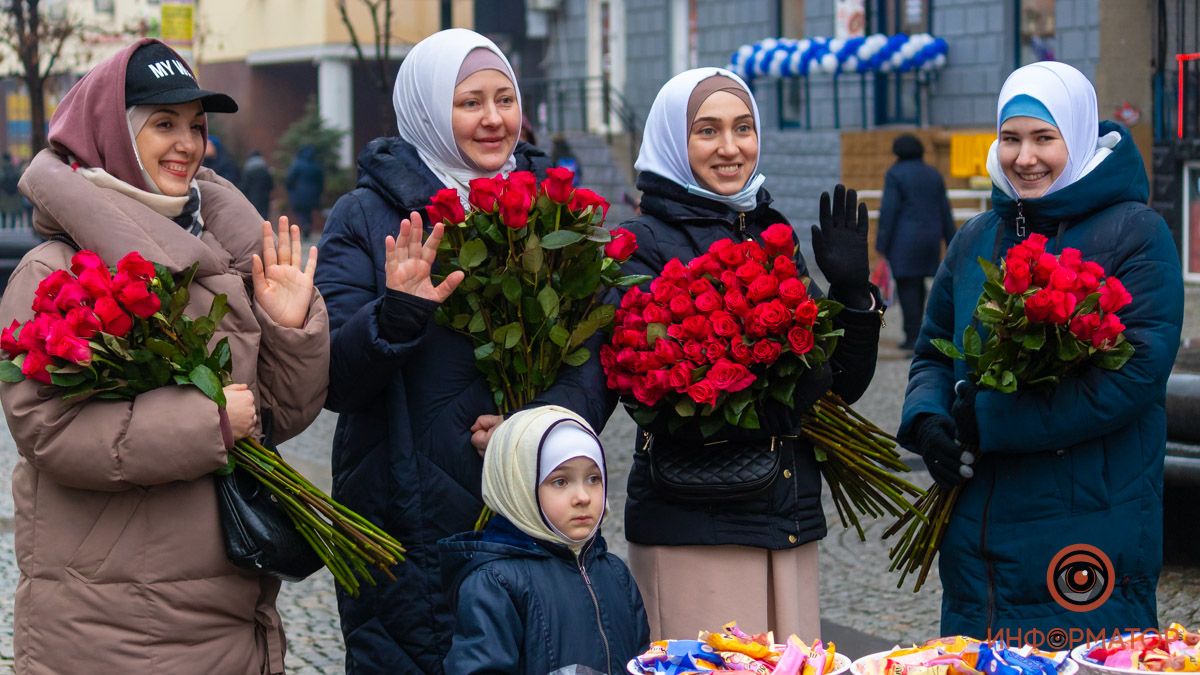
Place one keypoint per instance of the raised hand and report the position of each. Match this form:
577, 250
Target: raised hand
840, 244
482, 430
282, 288
408, 263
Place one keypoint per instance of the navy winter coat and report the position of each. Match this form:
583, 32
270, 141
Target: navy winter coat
675, 224
526, 606
305, 180
914, 219
402, 453
1081, 463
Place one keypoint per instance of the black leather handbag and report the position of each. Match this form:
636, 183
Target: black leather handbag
259, 535
718, 470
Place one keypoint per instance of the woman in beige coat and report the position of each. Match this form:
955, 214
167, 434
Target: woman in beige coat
123, 567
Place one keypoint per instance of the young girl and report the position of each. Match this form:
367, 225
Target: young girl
123, 566
1081, 463
537, 590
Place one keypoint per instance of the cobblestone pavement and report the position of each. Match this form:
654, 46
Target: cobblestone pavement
857, 592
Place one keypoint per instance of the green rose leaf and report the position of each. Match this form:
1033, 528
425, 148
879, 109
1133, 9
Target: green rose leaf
510, 285
549, 301
597, 319
577, 357
485, 351
472, 254
10, 372
948, 348
476, 324
559, 335
560, 239
208, 382
655, 331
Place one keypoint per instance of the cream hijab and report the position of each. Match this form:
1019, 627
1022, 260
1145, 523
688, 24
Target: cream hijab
665, 140
424, 101
523, 450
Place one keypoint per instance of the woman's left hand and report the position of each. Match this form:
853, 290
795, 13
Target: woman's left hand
840, 245
281, 287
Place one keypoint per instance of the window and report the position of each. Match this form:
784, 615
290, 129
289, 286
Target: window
791, 90
898, 95
1035, 31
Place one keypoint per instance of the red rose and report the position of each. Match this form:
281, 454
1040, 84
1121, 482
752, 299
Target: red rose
780, 239
784, 268
646, 391
608, 357
72, 295
694, 351
522, 181
1071, 258
1086, 284
34, 366
709, 302
773, 315
730, 377
635, 298
656, 313
800, 340
584, 198
485, 193
755, 327
137, 267
703, 392
63, 343
1084, 326
45, 298
1107, 332
1036, 242
762, 288
792, 291
634, 321
706, 264
1093, 269
737, 303
754, 252
723, 324
83, 323
97, 282
445, 206
626, 337
33, 332
1021, 255
669, 351
1045, 266
1062, 307
675, 273
86, 260
1038, 305
559, 184
741, 352
514, 208
766, 351
622, 246
1113, 295
714, 350
662, 290
700, 286
620, 382
137, 298
806, 313
730, 281
1063, 279
730, 255
1017, 278
681, 306
680, 377
8, 340
748, 272
695, 326
629, 360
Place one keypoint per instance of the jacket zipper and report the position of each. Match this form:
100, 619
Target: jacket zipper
742, 227
587, 581
991, 580
1020, 219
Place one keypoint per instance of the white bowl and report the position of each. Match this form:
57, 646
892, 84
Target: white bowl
1087, 667
841, 664
1070, 667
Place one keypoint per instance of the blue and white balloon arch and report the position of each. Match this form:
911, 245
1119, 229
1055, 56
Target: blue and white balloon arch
878, 53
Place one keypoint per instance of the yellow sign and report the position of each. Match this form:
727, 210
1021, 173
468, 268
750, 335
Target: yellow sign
968, 154
177, 22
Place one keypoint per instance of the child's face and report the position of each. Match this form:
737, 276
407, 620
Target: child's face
572, 497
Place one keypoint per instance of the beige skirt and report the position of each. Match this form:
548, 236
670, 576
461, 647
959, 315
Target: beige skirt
687, 589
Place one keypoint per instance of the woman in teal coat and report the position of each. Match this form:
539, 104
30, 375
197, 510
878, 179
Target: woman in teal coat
1078, 467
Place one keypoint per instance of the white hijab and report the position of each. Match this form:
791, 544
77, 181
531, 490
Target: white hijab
665, 139
1070, 98
424, 101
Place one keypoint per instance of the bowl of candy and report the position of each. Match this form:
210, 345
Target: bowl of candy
732, 649
959, 655
1177, 650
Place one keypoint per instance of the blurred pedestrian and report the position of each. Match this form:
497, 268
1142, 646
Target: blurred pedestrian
914, 220
305, 182
257, 183
10, 199
528, 135
217, 158
562, 155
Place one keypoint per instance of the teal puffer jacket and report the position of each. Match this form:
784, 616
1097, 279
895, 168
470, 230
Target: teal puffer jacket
1079, 464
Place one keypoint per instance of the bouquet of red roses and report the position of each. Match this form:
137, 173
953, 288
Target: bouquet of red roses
714, 338
116, 333
1047, 317
536, 260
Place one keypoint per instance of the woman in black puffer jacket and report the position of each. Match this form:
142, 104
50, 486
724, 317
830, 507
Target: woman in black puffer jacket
699, 564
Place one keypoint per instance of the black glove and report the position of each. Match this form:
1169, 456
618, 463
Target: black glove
963, 412
840, 247
943, 456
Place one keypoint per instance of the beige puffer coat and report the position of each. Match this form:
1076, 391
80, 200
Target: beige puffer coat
123, 569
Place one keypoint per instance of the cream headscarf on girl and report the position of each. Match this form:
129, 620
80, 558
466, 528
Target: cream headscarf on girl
665, 139
1065, 95
524, 449
424, 101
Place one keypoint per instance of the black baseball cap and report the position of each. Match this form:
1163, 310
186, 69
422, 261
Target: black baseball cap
155, 74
